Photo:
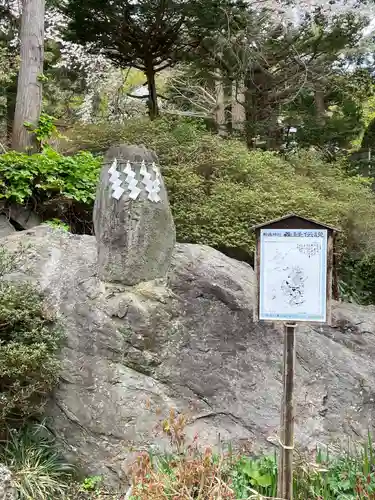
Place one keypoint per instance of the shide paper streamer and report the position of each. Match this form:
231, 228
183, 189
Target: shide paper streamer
150, 181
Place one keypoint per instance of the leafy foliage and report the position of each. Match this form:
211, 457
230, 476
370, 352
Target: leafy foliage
58, 224
258, 473
91, 483
8, 70
30, 339
45, 129
343, 120
358, 279
39, 472
368, 140
196, 473
47, 176
146, 35
218, 189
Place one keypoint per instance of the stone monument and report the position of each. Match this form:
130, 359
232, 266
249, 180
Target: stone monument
133, 221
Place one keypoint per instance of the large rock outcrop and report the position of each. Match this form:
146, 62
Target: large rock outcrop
134, 352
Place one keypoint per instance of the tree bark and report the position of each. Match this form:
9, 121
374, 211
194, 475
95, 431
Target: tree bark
319, 104
238, 106
153, 107
29, 87
220, 117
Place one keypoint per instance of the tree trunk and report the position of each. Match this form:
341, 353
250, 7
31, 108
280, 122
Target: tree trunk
220, 118
319, 105
29, 88
153, 108
238, 106
262, 128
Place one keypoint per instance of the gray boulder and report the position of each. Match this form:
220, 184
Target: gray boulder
6, 490
132, 218
134, 352
6, 227
23, 216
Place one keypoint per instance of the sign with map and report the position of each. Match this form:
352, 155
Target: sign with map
293, 275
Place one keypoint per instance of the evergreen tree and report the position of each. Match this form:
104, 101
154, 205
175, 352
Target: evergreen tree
150, 35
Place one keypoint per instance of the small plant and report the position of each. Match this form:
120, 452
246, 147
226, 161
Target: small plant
91, 483
45, 130
57, 224
187, 473
38, 470
255, 474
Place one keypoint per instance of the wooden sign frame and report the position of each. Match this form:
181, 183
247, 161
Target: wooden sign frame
295, 222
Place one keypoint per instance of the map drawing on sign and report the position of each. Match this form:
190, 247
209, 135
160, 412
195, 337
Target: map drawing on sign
293, 287
293, 268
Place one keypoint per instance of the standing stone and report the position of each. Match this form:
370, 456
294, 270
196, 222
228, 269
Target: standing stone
133, 222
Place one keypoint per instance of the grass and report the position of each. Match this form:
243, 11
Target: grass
188, 472
191, 473
38, 470
203, 476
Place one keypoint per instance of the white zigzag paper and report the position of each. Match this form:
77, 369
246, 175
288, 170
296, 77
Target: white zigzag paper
114, 177
155, 169
132, 182
116, 184
118, 192
115, 181
134, 193
143, 170
112, 169
130, 177
128, 168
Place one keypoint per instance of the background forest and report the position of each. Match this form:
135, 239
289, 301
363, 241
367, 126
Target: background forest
254, 108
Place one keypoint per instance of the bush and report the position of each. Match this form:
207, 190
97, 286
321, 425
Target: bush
29, 341
41, 176
51, 184
358, 280
218, 189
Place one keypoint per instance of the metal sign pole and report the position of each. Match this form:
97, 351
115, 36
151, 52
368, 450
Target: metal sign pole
287, 435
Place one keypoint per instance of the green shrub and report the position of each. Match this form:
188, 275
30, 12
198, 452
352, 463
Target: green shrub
218, 189
361, 278
29, 340
91, 483
57, 224
46, 175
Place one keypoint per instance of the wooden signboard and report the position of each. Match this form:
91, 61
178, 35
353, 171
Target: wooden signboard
293, 268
